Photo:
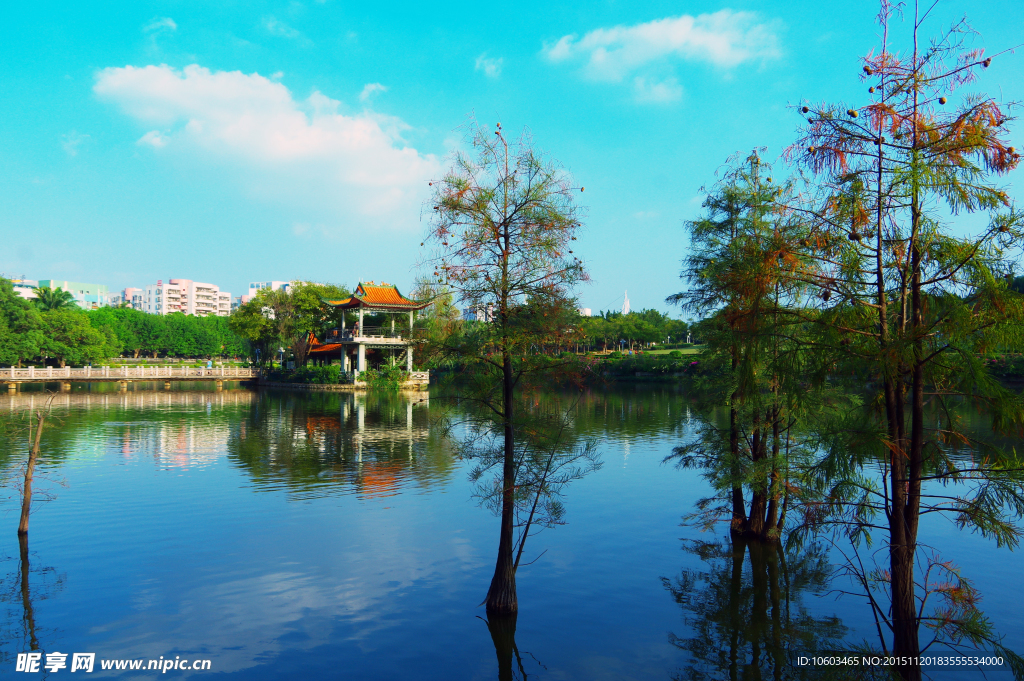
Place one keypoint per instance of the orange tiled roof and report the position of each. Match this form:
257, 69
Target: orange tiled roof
378, 295
328, 347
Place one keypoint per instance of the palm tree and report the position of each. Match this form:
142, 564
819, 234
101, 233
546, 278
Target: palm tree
54, 299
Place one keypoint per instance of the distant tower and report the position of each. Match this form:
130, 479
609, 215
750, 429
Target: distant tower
625, 303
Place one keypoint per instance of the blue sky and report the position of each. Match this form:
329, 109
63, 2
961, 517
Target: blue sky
234, 142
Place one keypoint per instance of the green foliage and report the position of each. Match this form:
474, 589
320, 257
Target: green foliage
277, 318
644, 328
671, 365
385, 378
20, 327
54, 299
1006, 365
321, 375
69, 338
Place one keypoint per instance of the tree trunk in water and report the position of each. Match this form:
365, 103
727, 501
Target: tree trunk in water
771, 517
759, 499
739, 511
26, 496
26, 596
501, 598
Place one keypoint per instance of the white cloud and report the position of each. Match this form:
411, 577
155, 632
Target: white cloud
370, 89
160, 24
154, 139
277, 27
490, 66
653, 91
725, 38
72, 141
329, 167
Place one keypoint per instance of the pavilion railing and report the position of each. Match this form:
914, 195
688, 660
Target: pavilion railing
337, 335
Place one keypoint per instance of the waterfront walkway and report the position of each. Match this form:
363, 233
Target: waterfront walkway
12, 376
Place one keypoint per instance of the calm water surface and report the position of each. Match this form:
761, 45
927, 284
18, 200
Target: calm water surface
302, 536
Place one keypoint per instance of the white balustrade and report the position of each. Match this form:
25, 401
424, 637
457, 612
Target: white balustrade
124, 372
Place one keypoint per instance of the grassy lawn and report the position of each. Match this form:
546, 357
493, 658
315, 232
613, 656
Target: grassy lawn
685, 351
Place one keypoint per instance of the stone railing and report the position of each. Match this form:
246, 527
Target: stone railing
124, 373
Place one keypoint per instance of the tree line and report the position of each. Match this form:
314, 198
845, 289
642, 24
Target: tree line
55, 330
616, 331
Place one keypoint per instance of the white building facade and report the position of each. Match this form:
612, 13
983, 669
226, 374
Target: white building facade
25, 288
186, 296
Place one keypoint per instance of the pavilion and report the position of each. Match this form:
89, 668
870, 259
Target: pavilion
351, 344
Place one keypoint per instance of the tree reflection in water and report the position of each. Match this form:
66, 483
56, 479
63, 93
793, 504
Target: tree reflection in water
747, 618
20, 590
511, 665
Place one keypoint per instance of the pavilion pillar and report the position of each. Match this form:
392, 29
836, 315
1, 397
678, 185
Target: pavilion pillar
361, 364
411, 318
362, 332
408, 359
344, 359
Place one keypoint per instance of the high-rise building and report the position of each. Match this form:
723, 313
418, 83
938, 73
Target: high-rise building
161, 298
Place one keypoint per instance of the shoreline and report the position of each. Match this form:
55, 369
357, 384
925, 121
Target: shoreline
336, 387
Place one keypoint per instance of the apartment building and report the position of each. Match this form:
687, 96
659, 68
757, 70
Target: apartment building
161, 298
131, 297
186, 296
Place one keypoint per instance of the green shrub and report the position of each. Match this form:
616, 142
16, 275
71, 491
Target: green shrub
321, 375
385, 378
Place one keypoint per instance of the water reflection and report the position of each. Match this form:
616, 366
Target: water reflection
20, 590
748, 618
375, 445
127, 400
174, 429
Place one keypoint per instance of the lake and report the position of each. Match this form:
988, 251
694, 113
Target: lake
292, 535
